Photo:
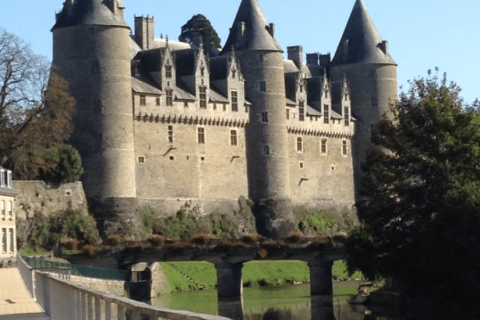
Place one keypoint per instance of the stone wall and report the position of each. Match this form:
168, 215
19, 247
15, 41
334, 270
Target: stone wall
41, 197
108, 286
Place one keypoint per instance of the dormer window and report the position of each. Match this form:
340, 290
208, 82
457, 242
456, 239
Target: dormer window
301, 111
301, 88
326, 93
143, 100
234, 101
203, 97
326, 114
234, 73
202, 71
169, 96
346, 116
157, 102
168, 72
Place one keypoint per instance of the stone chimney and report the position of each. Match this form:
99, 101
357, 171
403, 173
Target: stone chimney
145, 32
325, 60
312, 59
296, 55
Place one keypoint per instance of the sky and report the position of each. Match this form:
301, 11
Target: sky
422, 34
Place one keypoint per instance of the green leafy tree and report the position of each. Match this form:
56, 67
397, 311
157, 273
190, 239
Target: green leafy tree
421, 197
199, 29
64, 164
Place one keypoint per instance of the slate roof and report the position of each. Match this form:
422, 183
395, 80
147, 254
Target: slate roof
217, 97
363, 40
218, 68
89, 13
145, 85
185, 62
256, 37
152, 60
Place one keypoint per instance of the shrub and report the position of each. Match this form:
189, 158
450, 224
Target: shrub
295, 237
89, 250
71, 244
114, 240
157, 240
202, 239
321, 242
251, 238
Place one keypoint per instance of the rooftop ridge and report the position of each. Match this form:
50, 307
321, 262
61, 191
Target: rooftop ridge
251, 31
361, 42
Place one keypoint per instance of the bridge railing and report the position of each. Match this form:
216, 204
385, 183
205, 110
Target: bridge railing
62, 300
77, 270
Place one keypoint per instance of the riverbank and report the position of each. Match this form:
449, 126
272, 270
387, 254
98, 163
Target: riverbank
191, 276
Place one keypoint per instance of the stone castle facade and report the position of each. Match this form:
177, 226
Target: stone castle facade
161, 122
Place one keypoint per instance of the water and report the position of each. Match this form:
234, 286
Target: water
272, 303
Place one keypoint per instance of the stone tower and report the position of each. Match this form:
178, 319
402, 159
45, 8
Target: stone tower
363, 57
253, 42
91, 51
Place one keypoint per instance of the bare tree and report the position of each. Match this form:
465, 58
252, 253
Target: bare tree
36, 108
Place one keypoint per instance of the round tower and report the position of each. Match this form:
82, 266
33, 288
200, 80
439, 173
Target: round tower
363, 57
252, 39
91, 51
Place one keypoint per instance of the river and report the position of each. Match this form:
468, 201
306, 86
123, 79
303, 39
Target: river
292, 302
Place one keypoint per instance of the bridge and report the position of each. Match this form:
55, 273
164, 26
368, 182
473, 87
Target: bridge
229, 260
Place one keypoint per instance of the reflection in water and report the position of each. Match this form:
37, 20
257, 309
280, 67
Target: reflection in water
277, 303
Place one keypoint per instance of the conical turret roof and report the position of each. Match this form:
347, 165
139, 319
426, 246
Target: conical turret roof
255, 35
361, 41
91, 12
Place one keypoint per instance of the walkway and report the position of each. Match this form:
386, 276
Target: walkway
15, 301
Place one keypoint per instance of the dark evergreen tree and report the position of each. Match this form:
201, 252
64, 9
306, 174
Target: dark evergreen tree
199, 29
421, 198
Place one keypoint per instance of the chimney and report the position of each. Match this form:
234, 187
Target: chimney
325, 60
145, 32
271, 29
312, 59
296, 55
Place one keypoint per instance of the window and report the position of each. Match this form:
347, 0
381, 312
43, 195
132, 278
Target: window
234, 73
157, 101
233, 137
346, 112
299, 144
172, 158
168, 72
288, 114
324, 146
3, 207
346, 96
185, 104
203, 97
326, 114
326, 93
141, 159
265, 117
10, 209
224, 107
202, 72
344, 148
143, 100
234, 101
263, 86
4, 240
301, 165
301, 111
214, 106
6, 180
170, 134
301, 88
201, 135
169, 93
261, 58
12, 243
266, 150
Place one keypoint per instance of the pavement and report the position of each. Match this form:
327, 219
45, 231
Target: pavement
15, 300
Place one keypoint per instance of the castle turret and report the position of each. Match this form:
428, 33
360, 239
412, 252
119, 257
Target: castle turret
363, 57
91, 51
252, 39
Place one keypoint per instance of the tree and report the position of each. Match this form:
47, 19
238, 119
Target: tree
36, 108
63, 163
199, 29
421, 197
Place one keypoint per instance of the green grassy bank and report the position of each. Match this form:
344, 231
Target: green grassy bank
257, 273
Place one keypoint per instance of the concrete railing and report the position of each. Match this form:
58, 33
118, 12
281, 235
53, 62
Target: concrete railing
62, 300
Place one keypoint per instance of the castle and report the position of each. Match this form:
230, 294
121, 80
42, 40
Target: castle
160, 122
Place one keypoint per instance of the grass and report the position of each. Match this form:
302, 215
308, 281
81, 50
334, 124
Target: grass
255, 273
27, 251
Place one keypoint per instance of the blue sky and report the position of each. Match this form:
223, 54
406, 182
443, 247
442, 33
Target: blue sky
422, 34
